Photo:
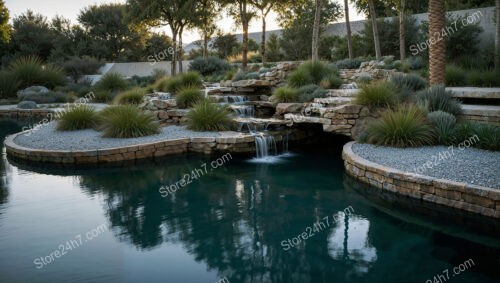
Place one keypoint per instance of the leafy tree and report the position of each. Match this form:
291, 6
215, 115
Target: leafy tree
207, 13
156, 43
225, 45
5, 29
274, 53
253, 45
32, 35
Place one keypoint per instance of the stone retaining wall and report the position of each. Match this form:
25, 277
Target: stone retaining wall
232, 144
16, 113
471, 198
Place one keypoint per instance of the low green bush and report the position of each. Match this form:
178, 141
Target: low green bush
313, 72
49, 97
127, 121
488, 78
206, 116
190, 79
349, 63
310, 96
455, 76
187, 97
479, 135
9, 84
132, 96
410, 82
403, 127
76, 67
380, 93
252, 76
209, 66
331, 82
285, 95
161, 84
112, 82
444, 125
77, 118
437, 98
299, 78
30, 71
416, 63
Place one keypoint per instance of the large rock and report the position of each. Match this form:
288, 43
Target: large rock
283, 108
27, 105
32, 91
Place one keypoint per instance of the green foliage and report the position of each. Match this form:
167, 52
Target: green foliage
380, 93
488, 136
349, 63
331, 82
127, 121
487, 78
50, 97
285, 95
313, 72
455, 76
191, 79
76, 67
437, 98
444, 125
132, 96
161, 84
299, 78
407, 83
403, 127
9, 84
187, 97
209, 66
77, 118
30, 71
206, 116
416, 62
252, 76
308, 96
273, 49
112, 82
225, 45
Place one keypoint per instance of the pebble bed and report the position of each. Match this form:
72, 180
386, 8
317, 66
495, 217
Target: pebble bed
470, 165
48, 138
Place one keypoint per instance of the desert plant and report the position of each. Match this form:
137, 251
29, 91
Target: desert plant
310, 96
415, 63
437, 98
206, 116
331, 82
299, 78
191, 79
132, 96
410, 82
488, 136
9, 84
127, 121
403, 127
285, 94
161, 84
380, 93
349, 63
317, 70
49, 97
444, 125
112, 82
30, 71
187, 97
252, 76
76, 67
209, 66
455, 76
77, 118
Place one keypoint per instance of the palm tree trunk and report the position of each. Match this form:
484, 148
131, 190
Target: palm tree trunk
376, 39
180, 51
402, 45
348, 28
205, 46
244, 45
497, 35
315, 36
437, 50
263, 40
173, 69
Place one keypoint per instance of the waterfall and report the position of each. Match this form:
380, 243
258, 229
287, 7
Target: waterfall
237, 98
265, 146
244, 111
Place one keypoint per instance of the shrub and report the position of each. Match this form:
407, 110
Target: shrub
331, 82
206, 116
416, 63
187, 97
49, 97
127, 121
158, 74
30, 71
299, 78
102, 96
173, 84
404, 127
252, 76
112, 82
310, 96
133, 96
349, 63
77, 118
317, 70
410, 82
9, 84
381, 93
190, 79
286, 94
488, 136
76, 67
437, 98
455, 76
209, 66
444, 126
489, 78
161, 84
80, 88
230, 74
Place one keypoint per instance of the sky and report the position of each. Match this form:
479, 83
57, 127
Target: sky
71, 8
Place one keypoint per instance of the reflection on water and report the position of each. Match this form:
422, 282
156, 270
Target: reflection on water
229, 222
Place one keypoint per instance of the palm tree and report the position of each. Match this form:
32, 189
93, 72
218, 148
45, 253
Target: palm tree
376, 39
348, 28
437, 49
497, 36
402, 47
315, 36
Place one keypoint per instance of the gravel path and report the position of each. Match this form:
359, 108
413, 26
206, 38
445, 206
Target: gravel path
470, 165
46, 137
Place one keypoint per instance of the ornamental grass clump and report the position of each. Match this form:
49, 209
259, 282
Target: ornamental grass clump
206, 116
112, 82
376, 94
444, 126
77, 118
403, 127
127, 121
410, 82
285, 95
437, 98
187, 97
133, 96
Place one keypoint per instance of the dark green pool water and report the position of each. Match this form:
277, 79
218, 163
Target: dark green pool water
229, 223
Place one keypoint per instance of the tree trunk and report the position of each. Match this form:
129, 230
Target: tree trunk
180, 51
205, 46
376, 40
315, 36
348, 28
173, 69
402, 44
437, 49
497, 35
244, 47
263, 43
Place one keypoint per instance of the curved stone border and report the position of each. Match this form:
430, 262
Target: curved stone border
206, 145
16, 113
472, 198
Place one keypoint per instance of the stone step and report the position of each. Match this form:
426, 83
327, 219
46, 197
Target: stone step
475, 92
481, 113
343, 92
